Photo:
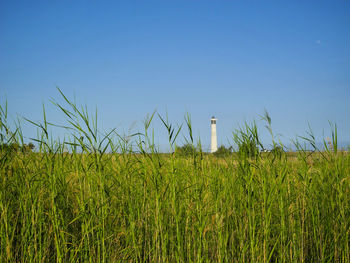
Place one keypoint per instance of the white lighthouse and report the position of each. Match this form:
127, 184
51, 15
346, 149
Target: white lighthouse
214, 139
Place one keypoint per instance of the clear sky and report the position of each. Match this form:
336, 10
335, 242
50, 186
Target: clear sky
231, 59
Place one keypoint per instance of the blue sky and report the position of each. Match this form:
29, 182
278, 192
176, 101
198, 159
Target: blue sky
231, 59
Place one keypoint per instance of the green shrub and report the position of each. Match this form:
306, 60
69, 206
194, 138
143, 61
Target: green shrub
186, 150
223, 151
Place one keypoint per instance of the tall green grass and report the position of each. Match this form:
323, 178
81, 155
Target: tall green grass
94, 197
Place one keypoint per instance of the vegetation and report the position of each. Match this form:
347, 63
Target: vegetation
186, 150
247, 141
15, 147
114, 198
223, 151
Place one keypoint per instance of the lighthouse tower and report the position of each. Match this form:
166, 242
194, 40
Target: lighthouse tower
214, 139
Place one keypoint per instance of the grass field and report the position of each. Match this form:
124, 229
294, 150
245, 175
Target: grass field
108, 201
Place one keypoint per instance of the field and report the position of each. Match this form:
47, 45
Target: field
103, 199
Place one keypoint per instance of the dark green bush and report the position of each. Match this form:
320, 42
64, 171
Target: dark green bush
223, 151
185, 150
